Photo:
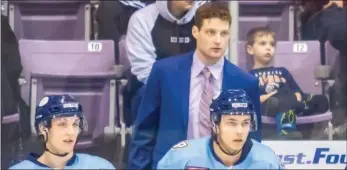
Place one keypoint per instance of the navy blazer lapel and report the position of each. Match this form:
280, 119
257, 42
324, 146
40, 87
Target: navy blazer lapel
183, 79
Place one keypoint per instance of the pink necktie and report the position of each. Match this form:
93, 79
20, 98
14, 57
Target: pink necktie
206, 99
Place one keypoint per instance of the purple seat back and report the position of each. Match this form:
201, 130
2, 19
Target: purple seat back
75, 56
300, 58
93, 92
50, 19
275, 14
12, 118
82, 69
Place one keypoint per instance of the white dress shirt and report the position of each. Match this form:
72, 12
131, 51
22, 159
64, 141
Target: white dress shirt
196, 89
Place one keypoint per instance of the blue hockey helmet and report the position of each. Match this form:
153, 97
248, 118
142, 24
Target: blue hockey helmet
233, 102
55, 106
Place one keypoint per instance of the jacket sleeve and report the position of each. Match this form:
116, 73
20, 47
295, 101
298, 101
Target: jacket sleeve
146, 124
10, 56
337, 30
11, 68
139, 46
254, 93
291, 81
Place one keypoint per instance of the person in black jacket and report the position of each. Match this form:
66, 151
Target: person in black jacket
11, 68
325, 23
11, 101
328, 22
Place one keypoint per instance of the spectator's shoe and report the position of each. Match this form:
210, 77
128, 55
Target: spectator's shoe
286, 125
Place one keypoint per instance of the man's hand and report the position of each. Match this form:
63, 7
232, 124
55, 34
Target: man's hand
298, 96
264, 97
331, 2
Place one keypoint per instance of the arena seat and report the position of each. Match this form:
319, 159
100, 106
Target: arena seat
83, 69
278, 15
10, 118
300, 58
50, 19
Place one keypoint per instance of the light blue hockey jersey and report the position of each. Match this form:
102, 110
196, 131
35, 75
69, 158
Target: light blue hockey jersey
198, 154
78, 161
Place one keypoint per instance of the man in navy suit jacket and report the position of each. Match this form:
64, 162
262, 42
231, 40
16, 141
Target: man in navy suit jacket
171, 103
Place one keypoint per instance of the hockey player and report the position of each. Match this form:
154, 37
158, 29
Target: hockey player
59, 122
233, 117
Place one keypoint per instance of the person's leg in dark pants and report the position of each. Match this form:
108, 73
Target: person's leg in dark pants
314, 104
281, 106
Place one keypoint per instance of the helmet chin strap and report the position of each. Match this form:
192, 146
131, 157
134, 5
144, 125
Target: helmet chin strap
56, 154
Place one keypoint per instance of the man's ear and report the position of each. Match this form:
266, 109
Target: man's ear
42, 132
42, 129
195, 31
215, 128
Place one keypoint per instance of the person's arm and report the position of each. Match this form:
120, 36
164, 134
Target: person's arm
10, 56
169, 162
146, 124
175, 157
293, 85
101, 163
264, 97
262, 84
331, 2
165, 162
336, 29
139, 46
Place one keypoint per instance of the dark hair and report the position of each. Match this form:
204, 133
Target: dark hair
258, 31
212, 10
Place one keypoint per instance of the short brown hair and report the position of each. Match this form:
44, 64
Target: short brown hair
212, 10
259, 31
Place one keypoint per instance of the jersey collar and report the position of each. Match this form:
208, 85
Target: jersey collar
245, 150
33, 158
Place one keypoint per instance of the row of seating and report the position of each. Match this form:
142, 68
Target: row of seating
86, 70
50, 20
71, 20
